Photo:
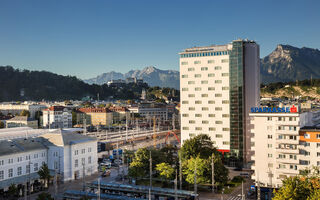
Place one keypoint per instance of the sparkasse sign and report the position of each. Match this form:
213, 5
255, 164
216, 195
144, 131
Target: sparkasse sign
292, 109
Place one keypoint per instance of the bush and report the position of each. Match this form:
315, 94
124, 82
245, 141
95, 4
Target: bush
237, 179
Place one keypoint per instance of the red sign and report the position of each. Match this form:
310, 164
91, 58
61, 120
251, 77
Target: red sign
293, 109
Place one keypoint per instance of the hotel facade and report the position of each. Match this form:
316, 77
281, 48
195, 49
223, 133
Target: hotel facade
219, 84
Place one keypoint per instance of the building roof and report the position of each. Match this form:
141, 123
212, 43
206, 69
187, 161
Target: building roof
20, 145
55, 108
62, 138
21, 118
94, 110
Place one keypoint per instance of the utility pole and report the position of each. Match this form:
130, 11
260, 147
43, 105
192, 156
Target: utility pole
195, 177
176, 186
173, 122
150, 184
212, 173
242, 194
180, 172
118, 157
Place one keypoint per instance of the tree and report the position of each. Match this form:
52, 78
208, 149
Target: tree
44, 174
44, 196
25, 113
12, 191
165, 170
203, 168
1, 124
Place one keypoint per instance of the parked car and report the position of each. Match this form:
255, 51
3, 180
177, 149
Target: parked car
106, 173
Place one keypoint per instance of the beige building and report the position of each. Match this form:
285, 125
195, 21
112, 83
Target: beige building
97, 116
119, 114
279, 147
218, 84
16, 109
22, 121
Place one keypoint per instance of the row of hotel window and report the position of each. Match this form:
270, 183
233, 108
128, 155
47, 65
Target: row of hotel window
281, 119
209, 115
191, 69
216, 136
204, 82
210, 129
199, 89
209, 102
19, 171
206, 122
205, 108
216, 53
83, 161
21, 158
83, 151
199, 75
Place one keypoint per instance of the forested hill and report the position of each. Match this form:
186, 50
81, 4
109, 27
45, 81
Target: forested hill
19, 85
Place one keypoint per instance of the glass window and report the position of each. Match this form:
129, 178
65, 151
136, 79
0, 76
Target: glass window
204, 68
197, 75
10, 173
211, 75
184, 63
204, 95
210, 61
217, 68
184, 76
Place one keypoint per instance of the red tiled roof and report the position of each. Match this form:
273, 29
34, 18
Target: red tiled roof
94, 110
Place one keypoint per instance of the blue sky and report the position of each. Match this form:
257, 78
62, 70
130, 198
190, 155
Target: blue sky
88, 37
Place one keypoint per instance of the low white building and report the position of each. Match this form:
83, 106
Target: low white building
15, 109
68, 155
276, 144
150, 110
57, 117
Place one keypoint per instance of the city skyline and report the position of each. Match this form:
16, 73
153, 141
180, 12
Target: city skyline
85, 40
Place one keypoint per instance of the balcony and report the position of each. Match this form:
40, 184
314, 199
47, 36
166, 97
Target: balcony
291, 151
287, 141
287, 161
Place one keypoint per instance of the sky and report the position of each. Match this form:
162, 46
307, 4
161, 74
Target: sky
85, 38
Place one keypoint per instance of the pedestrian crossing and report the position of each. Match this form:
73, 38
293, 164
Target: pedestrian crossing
234, 198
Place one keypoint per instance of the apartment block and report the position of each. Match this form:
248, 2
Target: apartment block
218, 85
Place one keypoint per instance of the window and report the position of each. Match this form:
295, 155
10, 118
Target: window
318, 154
184, 76
198, 115
270, 165
10, 160
269, 155
76, 163
210, 75
219, 136
192, 122
218, 122
1, 162
190, 82
185, 128
185, 102
318, 136
184, 63
35, 155
27, 169
318, 145
225, 129
1, 175
225, 60
211, 88
35, 167
269, 136
307, 136
211, 115
269, 145
76, 152
282, 156
204, 95
184, 89
204, 82
89, 159
269, 119
217, 67
197, 62
198, 102
197, 89
205, 108
218, 95
218, 108
191, 95
198, 128
210, 61
19, 171
212, 129
281, 128
211, 102
197, 75
225, 101
191, 108
191, 134
191, 69
205, 122
185, 115
55, 165
10, 173
218, 81
204, 68
225, 74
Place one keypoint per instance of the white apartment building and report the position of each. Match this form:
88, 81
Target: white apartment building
150, 110
277, 145
218, 84
67, 154
57, 117
15, 109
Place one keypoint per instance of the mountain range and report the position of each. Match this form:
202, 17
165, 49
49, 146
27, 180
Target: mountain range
150, 75
286, 63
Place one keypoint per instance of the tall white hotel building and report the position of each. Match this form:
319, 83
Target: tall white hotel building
219, 84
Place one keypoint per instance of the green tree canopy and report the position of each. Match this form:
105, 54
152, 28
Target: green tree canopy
25, 113
165, 170
44, 196
44, 173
